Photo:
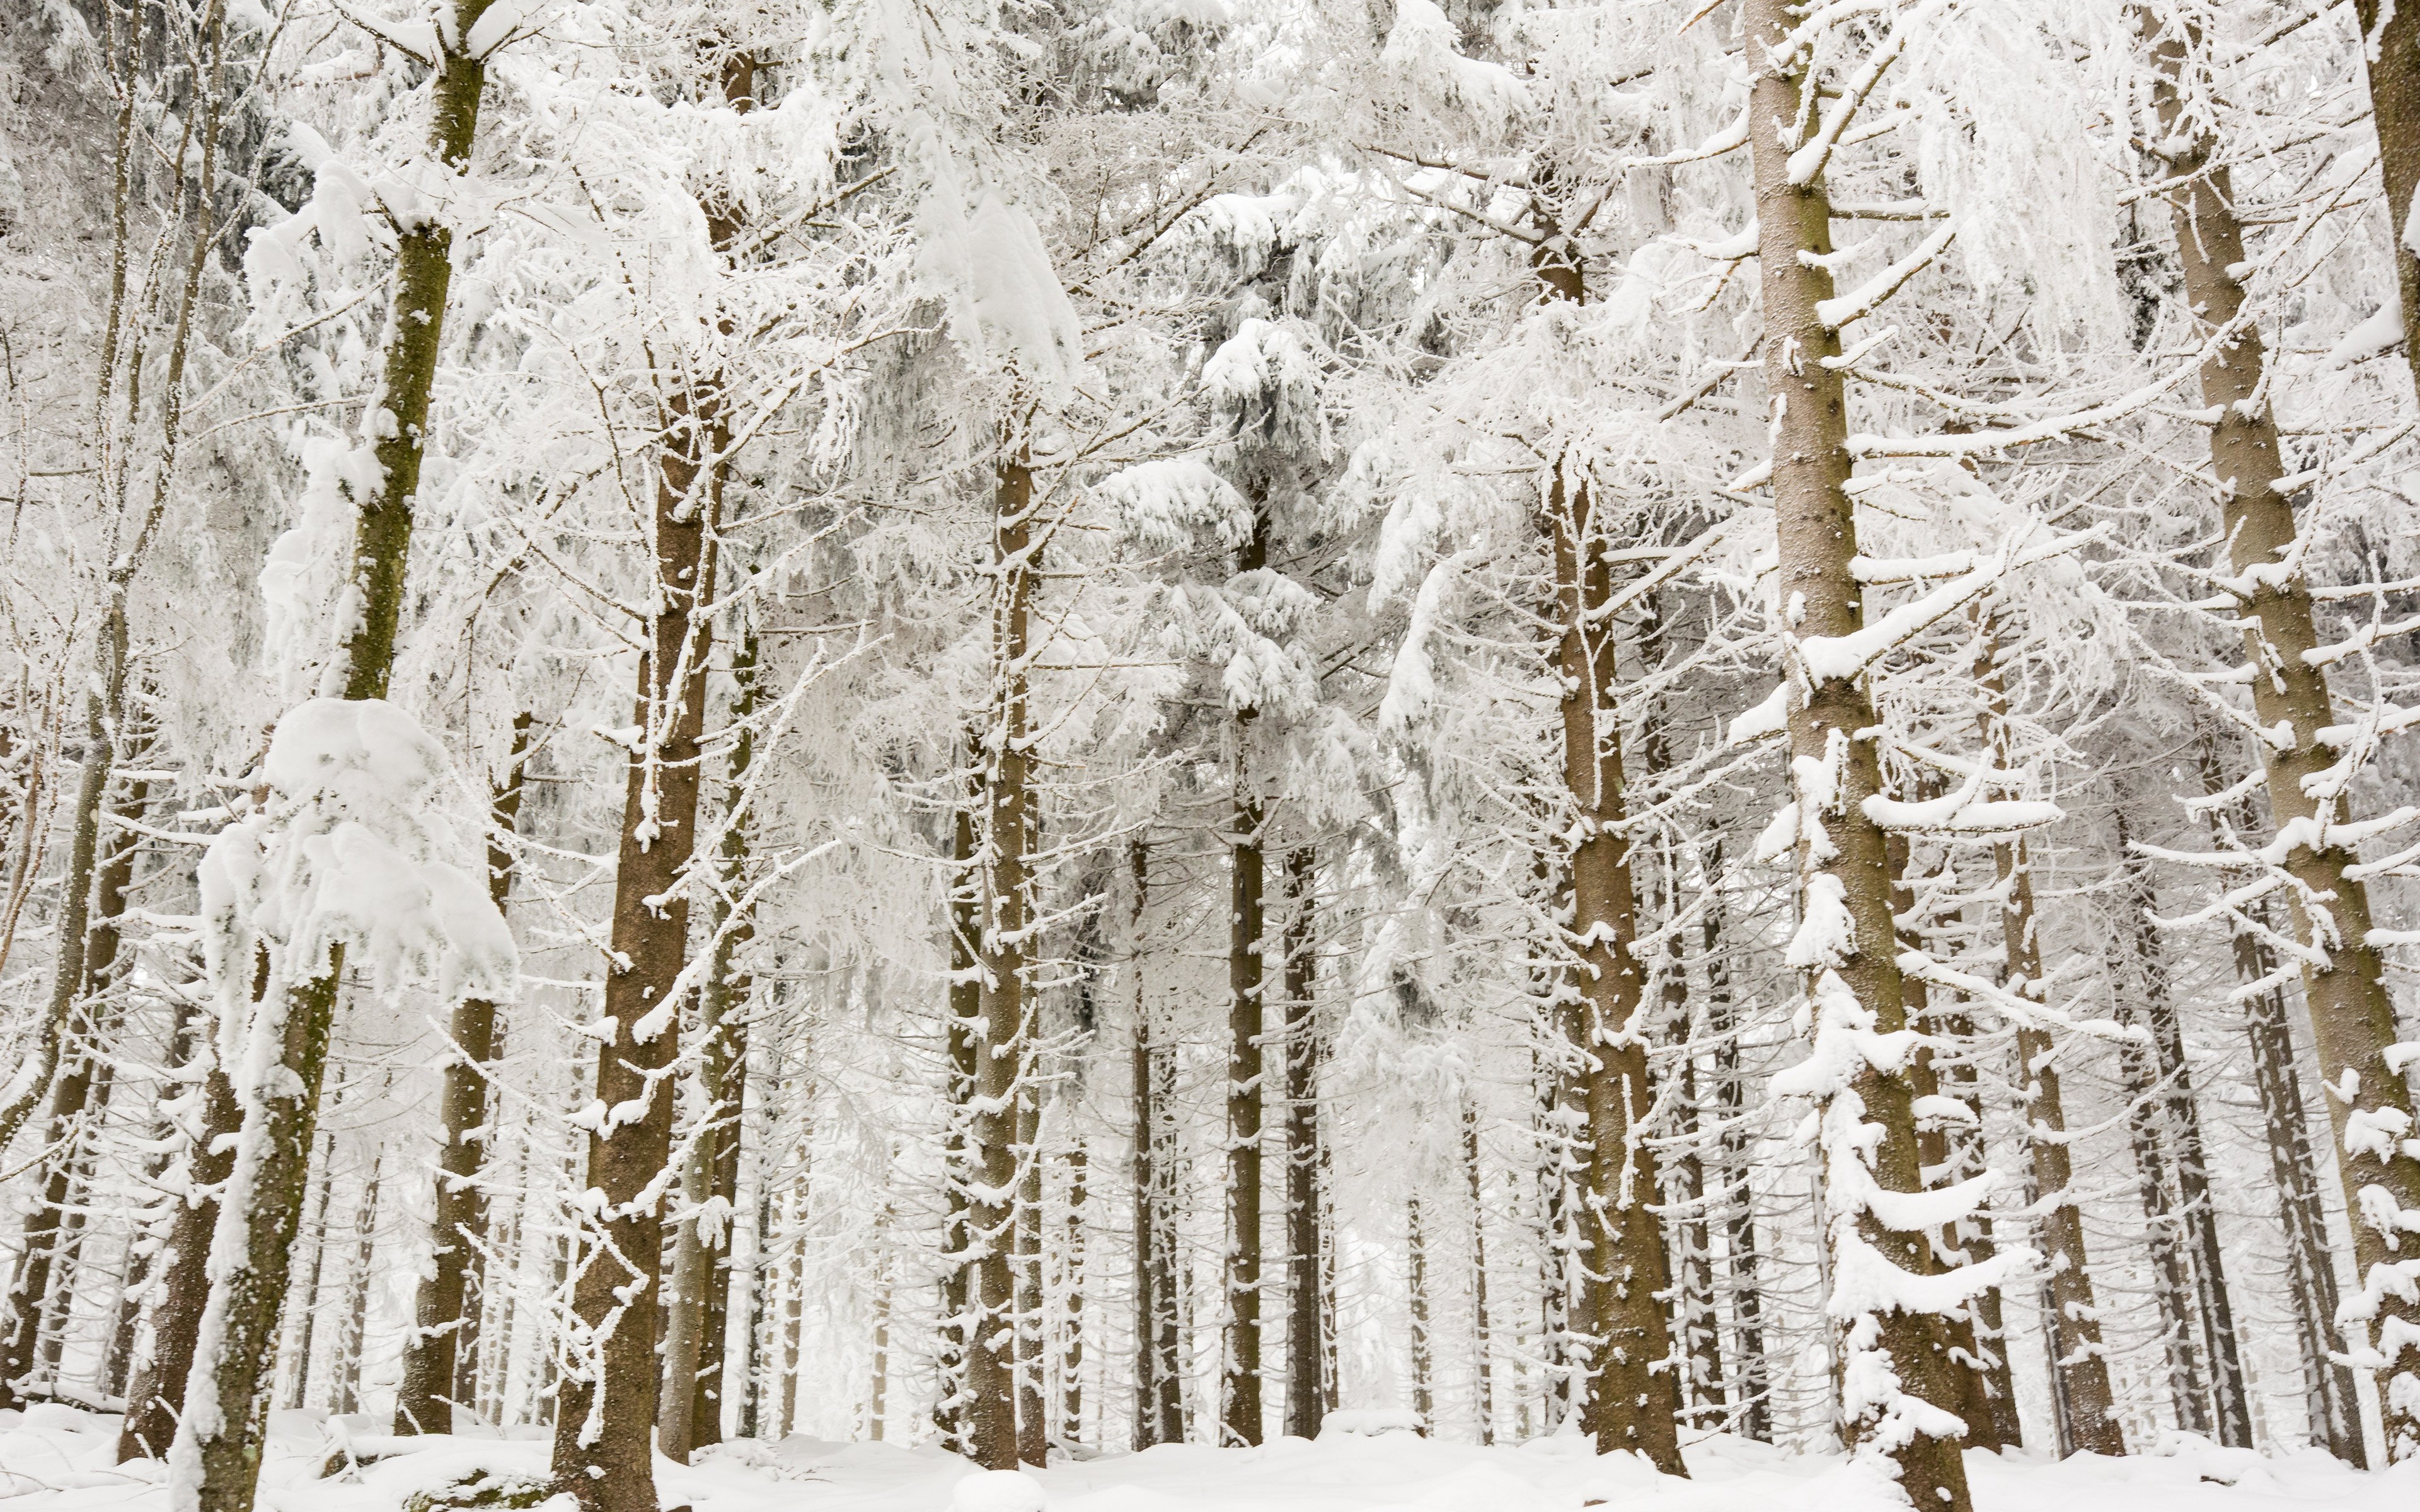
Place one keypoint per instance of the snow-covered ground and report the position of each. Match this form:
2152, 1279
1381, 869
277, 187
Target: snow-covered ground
57, 1459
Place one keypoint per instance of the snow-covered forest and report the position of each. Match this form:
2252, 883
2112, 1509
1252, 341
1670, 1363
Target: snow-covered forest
750, 742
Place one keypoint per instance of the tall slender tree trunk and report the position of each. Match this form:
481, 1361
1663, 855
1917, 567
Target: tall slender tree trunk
1304, 1403
2390, 34
2172, 1281
2074, 1317
1482, 1341
1751, 1393
2330, 1397
1941, 1166
1816, 529
307, 1288
2215, 1308
424, 1402
607, 1405
155, 1400
2074, 1320
690, 1406
2352, 1015
1151, 1367
1239, 1392
1032, 1334
77, 1099
1633, 1399
1071, 1350
1007, 895
1964, 1081
355, 1313
225, 1444
962, 1031
1416, 1244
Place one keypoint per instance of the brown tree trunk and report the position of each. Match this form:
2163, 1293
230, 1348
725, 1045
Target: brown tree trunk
1071, 1350
962, 1031
1416, 1244
2074, 1320
1033, 1336
422, 1402
607, 1405
1751, 1392
307, 1289
1159, 1379
723, 1063
1941, 1166
1239, 1393
283, 1128
2391, 37
1483, 1342
76, 1100
155, 1401
2329, 1398
2353, 1016
690, 1406
2172, 1282
1817, 533
1304, 1404
353, 1315
1633, 1400
2215, 1308
1007, 888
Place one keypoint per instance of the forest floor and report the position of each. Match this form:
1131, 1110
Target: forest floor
59, 1459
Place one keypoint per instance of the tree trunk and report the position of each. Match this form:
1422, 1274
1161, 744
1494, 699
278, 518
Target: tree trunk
355, 1313
2172, 1284
81, 1091
1033, 1336
1752, 1392
2074, 1320
297, 1388
237, 1357
602, 1436
1416, 1244
1483, 1342
1239, 1413
962, 1032
1817, 533
1633, 1399
1071, 1351
2330, 1397
2214, 1309
2392, 54
1940, 1165
2352, 1014
155, 1401
1998, 1379
422, 1402
1007, 787
690, 1405
1303, 1405
722, 1070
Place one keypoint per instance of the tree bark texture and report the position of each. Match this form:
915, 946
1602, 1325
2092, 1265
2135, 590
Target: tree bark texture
424, 1402
1007, 898
2352, 1017
1304, 1404
283, 1124
2197, 1212
1239, 1390
1817, 533
1633, 1391
602, 1436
